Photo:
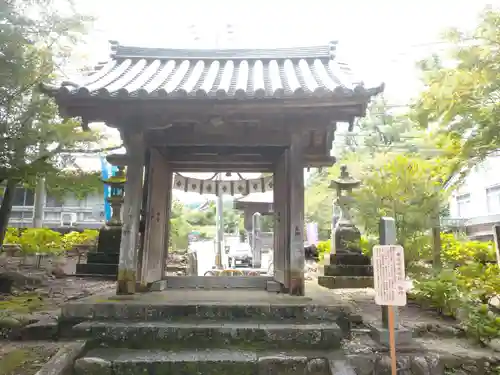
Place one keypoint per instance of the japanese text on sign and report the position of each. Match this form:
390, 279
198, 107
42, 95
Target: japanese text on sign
389, 275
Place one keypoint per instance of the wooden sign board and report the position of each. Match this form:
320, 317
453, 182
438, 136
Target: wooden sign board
389, 275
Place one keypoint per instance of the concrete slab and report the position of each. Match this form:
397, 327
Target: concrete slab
319, 304
380, 335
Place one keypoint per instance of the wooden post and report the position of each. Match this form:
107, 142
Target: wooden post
156, 233
295, 179
281, 258
127, 267
144, 205
168, 186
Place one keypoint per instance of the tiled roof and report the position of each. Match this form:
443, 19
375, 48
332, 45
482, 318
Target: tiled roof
134, 72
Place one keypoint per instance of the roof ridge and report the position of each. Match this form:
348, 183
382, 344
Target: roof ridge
326, 51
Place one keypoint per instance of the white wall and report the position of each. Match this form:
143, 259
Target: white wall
481, 178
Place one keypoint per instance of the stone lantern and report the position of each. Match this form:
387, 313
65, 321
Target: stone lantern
104, 262
345, 235
348, 266
116, 184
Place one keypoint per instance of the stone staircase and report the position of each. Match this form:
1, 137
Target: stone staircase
209, 338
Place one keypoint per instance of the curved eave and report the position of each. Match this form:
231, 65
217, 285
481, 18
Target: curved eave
340, 94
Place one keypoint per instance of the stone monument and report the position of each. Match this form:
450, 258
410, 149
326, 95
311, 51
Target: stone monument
104, 262
348, 266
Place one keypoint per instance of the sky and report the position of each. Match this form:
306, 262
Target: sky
380, 40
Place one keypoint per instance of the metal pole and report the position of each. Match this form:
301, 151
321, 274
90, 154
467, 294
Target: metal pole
256, 240
39, 202
387, 232
220, 226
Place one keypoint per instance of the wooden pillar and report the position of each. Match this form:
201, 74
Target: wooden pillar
281, 258
127, 267
295, 171
157, 219
168, 188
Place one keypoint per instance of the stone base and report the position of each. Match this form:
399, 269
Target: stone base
348, 259
381, 335
273, 286
97, 269
109, 239
343, 270
103, 258
158, 286
345, 282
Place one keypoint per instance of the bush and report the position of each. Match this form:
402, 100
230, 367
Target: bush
464, 287
455, 252
43, 240
87, 237
12, 236
323, 248
40, 240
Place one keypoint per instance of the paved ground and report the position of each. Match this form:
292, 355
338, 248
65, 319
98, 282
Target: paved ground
205, 251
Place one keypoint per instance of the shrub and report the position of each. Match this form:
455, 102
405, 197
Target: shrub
12, 236
455, 252
87, 237
464, 287
323, 248
40, 240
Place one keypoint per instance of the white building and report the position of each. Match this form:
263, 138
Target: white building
85, 213
475, 205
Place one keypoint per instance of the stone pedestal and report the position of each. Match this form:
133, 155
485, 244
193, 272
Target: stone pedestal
349, 267
103, 262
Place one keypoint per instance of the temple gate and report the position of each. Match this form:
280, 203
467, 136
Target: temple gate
189, 110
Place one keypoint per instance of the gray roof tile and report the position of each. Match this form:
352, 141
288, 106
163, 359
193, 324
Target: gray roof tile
218, 74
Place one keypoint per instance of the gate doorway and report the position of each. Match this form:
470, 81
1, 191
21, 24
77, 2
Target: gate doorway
221, 249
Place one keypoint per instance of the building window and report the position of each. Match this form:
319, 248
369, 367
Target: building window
23, 197
493, 199
463, 205
52, 202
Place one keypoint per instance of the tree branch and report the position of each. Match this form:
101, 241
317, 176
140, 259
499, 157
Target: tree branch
95, 151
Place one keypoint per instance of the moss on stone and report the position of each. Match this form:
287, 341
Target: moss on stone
23, 304
126, 282
12, 361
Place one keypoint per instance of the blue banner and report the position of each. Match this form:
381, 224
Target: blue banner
105, 172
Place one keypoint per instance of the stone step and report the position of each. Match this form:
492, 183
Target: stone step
345, 282
176, 335
103, 258
208, 362
157, 310
97, 269
341, 270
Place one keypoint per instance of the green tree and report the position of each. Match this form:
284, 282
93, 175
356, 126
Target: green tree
36, 38
379, 134
462, 91
179, 226
406, 187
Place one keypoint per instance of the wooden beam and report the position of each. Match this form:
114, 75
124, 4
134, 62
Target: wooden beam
144, 115
196, 167
127, 267
316, 161
267, 152
185, 136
